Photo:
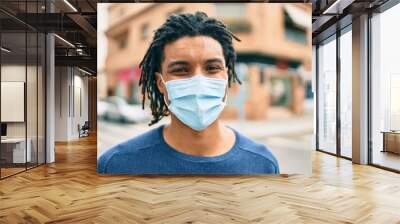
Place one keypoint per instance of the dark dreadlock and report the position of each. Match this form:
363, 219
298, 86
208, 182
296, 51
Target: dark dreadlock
177, 26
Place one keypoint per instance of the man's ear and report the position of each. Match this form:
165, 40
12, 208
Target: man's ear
160, 84
226, 93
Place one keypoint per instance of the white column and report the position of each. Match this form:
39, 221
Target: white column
360, 90
50, 99
50, 92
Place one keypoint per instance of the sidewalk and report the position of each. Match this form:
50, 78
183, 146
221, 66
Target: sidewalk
289, 139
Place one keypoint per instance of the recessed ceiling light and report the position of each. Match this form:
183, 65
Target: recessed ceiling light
70, 5
5, 50
84, 71
64, 40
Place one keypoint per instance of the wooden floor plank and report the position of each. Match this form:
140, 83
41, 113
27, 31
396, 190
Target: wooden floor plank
70, 191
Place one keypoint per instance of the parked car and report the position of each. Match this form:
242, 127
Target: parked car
102, 106
117, 109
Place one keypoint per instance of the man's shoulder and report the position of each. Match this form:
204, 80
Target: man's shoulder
144, 140
134, 146
256, 149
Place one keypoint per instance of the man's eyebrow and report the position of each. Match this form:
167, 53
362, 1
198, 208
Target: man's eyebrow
179, 62
210, 60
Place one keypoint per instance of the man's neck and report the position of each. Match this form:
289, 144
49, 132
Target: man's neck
212, 141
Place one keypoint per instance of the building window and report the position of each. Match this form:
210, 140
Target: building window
121, 10
281, 89
262, 75
230, 10
176, 11
122, 40
233, 15
293, 32
145, 31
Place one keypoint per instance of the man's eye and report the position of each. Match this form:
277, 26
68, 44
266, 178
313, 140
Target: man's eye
179, 70
214, 68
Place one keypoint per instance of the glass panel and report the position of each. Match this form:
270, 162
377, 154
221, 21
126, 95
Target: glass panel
346, 94
385, 89
13, 86
327, 96
31, 97
41, 98
32, 86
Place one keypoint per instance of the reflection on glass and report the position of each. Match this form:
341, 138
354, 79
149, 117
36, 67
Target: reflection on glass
31, 97
41, 99
394, 102
346, 94
327, 96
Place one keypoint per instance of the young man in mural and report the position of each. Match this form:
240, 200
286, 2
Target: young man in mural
186, 73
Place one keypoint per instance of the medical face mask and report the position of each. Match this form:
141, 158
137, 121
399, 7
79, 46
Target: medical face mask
196, 101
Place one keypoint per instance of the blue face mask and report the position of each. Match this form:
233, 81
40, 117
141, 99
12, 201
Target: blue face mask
196, 101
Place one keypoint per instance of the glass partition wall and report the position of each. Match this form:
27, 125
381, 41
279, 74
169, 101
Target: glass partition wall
13, 86
334, 89
22, 77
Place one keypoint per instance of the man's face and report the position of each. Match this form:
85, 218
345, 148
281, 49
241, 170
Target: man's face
189, 56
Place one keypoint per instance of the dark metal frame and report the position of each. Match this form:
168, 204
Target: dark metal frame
338, 98
369, 90
0, 91
316, 96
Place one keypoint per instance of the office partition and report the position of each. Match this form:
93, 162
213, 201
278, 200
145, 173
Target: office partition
23, 87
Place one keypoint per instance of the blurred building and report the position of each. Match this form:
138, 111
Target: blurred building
273, 57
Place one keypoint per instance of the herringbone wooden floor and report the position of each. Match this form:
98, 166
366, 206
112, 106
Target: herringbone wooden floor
70, 191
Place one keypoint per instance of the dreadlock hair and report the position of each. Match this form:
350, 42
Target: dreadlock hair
175, 27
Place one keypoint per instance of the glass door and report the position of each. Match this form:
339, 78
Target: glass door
327, 95
346, 92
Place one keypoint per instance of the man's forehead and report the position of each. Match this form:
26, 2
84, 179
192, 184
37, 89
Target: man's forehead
193, 47
172, 60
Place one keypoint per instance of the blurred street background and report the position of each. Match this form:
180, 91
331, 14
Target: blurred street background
274, 104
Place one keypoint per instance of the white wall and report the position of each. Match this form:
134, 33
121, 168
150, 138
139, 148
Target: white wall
12, 73
62, 81
80, 94
33, 126
71, 87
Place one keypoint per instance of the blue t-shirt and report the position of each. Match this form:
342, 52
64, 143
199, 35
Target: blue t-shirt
148, 153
